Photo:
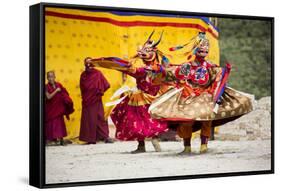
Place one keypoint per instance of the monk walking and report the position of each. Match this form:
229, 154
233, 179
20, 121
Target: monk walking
94, 127
58, 105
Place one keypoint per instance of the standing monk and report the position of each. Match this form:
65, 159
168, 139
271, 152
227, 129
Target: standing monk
94, 127
58, 104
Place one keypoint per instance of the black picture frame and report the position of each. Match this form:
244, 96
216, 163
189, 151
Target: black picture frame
37, 75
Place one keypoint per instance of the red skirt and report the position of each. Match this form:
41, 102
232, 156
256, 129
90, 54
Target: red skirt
55, 129
135, 123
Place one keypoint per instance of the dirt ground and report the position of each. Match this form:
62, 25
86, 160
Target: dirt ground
75, 163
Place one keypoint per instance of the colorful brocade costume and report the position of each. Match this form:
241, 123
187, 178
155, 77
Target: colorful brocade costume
200, 94
200, 98
184, 93
131, 117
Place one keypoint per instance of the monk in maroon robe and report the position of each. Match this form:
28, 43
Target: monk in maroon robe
58, 105
94, 127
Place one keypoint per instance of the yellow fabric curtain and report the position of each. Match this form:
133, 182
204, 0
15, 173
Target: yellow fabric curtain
71, 35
